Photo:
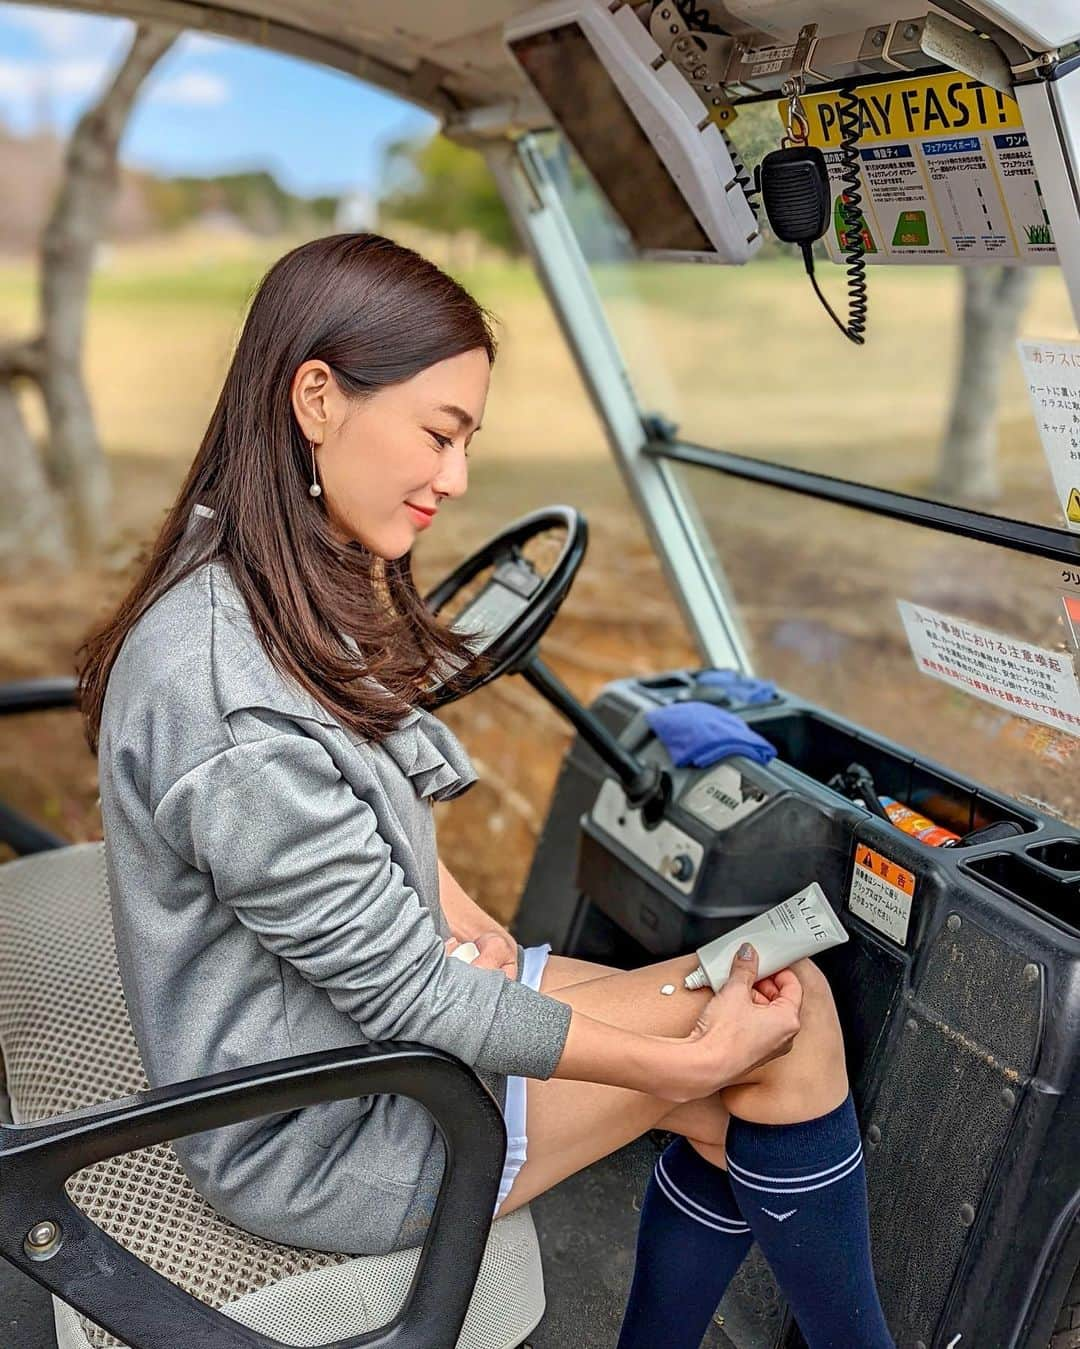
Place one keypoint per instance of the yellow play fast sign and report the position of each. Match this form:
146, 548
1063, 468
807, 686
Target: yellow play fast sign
944, 170
935, 105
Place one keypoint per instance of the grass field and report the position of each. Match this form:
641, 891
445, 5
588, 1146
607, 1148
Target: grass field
741, 359
163, 322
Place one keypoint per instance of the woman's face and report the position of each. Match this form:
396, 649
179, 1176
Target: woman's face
387, 463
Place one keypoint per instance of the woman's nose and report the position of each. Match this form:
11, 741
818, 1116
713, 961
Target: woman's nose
453, 476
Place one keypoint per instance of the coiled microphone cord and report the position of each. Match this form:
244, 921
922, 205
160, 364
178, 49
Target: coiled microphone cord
849, 119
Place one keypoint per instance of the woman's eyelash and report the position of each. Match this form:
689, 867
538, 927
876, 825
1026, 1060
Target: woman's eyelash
444, 442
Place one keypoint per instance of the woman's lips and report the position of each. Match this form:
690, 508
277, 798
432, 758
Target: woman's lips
421, 517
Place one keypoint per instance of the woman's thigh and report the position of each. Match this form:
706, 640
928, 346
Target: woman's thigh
573, 1124
562, 971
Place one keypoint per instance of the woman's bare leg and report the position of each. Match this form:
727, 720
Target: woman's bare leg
703, 1122
572, 1124
562, 971
809, 1081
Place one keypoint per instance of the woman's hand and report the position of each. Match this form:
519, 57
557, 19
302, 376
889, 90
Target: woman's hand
739, 1029
498, 950
468, 921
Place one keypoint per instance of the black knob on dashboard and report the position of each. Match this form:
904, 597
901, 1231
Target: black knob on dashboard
682, 866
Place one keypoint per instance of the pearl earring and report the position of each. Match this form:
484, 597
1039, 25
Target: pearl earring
314, 490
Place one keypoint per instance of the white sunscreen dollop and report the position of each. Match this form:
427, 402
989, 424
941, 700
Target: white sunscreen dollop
800, 926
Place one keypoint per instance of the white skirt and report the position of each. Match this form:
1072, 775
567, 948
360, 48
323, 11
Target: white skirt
517, 1140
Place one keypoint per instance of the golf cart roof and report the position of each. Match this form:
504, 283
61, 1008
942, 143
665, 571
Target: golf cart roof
444, 57
450, 57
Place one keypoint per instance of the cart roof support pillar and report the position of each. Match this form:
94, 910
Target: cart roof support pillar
670, 515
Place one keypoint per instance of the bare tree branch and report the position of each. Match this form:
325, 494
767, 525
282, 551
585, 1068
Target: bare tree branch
22, 360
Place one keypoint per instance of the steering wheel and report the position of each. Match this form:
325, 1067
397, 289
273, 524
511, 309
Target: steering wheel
517, 603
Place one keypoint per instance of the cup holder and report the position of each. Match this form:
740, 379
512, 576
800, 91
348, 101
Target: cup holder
1061, 855
1015, 876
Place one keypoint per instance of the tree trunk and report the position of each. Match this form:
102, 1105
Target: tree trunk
994, 300
32, 527
74, 461
31, 524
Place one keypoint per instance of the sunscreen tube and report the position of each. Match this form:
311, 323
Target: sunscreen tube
467, 951
798, 927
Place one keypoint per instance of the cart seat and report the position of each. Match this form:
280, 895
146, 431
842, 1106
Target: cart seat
66, 1043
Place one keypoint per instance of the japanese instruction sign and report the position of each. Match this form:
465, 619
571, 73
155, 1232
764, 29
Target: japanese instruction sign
1052, 371
881, 893
1014, 675
946, 171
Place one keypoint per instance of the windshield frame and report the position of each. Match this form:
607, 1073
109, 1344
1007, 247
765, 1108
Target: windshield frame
1022, 536
669, 513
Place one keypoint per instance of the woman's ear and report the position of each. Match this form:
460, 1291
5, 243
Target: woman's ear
314, 392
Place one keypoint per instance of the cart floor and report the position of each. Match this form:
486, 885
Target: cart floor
25, 1312
587, 1226
588, 1232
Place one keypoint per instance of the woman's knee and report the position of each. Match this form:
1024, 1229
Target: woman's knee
704, 1122
814, 984
819, 1017
811, 1078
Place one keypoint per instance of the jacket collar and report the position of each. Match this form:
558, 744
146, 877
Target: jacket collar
243, 673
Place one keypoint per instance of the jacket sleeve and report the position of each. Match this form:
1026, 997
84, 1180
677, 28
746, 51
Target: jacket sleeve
298, 857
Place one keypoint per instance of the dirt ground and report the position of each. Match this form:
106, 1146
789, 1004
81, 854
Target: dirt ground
816, 584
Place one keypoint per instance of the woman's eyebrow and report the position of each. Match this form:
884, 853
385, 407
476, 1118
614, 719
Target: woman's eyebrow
463, 418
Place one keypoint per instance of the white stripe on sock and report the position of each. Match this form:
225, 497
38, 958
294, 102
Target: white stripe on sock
735, 1224
727, 1231
802, 1189
794, 1180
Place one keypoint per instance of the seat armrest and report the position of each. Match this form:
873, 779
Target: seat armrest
38, 695
96, 1275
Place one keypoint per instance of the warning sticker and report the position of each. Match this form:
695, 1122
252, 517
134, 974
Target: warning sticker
1052, 371
881, 893
945, 169
1021, 678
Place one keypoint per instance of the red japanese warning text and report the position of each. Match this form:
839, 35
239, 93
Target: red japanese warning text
881, 893
1028, 680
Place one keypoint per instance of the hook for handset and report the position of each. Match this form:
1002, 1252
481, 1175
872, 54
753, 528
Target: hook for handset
797, 122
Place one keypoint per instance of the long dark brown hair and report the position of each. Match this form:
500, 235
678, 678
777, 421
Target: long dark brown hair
377, 313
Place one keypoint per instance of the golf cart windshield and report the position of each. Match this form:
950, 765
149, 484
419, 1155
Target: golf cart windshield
958, 648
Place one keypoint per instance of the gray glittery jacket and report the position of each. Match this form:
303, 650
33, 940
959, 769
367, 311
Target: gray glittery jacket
275, 891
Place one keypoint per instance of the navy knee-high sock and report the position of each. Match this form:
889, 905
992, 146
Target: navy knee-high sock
802, 1189
691, 1240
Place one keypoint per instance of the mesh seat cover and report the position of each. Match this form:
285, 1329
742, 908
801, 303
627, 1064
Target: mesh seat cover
66, 1043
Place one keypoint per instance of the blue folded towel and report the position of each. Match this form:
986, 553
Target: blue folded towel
743, 688
700, 734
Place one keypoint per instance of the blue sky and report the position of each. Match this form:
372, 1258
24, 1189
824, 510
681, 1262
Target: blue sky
211, 106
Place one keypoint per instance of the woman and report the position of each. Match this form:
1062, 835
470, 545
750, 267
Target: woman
267, 774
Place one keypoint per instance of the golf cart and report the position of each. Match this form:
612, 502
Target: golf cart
921, 764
